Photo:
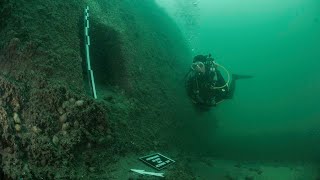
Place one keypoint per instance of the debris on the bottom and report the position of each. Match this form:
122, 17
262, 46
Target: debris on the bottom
157, 161
143, 172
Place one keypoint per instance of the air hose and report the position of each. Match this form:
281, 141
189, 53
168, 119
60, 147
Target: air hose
228, 74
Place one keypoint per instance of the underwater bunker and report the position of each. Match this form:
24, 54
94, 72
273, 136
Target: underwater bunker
106, 53
62, 132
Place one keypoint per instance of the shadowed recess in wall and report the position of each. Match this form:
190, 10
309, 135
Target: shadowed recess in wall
5, 11
106, 55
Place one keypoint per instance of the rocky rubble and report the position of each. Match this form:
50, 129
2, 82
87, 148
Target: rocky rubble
37, 140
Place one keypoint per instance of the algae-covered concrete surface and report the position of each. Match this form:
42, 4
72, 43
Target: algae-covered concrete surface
46, 119
51, 128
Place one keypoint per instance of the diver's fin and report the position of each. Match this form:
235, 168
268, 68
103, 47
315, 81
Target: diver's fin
237, 76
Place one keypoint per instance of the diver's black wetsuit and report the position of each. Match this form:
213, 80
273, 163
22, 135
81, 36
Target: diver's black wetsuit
200, 87
209, 88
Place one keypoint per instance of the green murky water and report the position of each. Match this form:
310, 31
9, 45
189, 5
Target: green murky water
276, 114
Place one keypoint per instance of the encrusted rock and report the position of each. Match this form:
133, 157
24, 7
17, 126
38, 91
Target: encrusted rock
43, 162
65, 104
16, 118
92, 169
15, 104
60, 110
17, 127
76, 124
109, 137
101, 140
65, 126
3, 114
100, 128
16, 108
8, 150
64, 133
35, 129
72, 100
89, 145
63, 118
55, 140
79, 103
108, 131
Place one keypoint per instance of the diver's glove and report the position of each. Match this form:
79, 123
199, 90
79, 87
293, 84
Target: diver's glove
212, 101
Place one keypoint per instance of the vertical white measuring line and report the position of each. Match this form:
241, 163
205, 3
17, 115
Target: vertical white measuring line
87, 41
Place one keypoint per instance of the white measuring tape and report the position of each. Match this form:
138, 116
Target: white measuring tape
87, 44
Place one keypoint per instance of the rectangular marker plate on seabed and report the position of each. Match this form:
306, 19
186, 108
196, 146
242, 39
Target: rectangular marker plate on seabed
157, 160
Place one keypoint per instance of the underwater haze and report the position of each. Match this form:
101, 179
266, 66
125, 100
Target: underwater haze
276, 114
95, 89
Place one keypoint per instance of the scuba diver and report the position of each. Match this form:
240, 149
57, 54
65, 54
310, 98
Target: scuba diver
205, 84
